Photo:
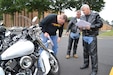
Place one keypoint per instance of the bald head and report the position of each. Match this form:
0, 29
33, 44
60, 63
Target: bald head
86, 9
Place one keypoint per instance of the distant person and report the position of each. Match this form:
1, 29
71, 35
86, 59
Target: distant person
89, 35
50, 24
73, 35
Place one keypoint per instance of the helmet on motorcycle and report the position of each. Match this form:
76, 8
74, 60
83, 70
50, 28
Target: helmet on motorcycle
2, 29
2, 32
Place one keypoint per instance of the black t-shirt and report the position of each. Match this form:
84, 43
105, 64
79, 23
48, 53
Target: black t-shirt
49, 24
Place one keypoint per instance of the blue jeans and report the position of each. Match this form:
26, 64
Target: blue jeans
54, 39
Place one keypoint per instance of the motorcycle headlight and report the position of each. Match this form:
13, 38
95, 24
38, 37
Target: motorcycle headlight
26, 62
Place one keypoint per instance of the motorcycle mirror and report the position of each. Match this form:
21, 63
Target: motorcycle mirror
34, 19
7, 33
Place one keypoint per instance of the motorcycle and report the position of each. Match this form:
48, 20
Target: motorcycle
21, 56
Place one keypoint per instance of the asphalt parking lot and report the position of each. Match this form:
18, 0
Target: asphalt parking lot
72, 66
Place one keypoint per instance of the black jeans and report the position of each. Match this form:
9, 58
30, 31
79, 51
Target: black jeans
72, 43
91, 50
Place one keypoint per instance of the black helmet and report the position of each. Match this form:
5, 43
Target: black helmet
2, 29
2, 32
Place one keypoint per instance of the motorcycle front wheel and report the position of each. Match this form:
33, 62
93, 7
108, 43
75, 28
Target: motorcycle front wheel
55, 66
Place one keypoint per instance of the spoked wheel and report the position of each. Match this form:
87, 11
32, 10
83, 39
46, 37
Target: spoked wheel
55, 66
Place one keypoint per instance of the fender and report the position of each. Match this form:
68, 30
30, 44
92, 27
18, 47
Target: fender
44, 62
1, 71
51, 51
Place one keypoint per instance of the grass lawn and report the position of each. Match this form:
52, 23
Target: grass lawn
107, 33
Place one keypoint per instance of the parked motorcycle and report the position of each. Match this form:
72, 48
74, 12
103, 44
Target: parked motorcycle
22, 56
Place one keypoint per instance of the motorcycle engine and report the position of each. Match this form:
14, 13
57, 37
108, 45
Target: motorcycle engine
26, 62
19, 65
10, 65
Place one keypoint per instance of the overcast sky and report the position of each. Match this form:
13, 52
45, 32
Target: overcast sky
106, 13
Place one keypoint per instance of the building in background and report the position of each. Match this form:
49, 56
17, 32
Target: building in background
19, 21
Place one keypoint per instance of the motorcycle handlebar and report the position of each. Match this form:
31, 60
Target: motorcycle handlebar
50, 41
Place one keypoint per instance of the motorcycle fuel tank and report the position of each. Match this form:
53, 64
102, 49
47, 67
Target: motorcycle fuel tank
20, 48
1, 71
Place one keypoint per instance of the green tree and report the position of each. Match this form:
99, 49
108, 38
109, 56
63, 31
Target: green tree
10, 7
107, 22
38, 5
112, 24
60, 5
1, 16
96, 5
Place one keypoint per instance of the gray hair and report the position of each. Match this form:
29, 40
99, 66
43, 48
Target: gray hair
78, 11
86, 6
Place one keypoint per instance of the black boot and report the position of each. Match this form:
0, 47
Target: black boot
93, 73
86, 62
84, 66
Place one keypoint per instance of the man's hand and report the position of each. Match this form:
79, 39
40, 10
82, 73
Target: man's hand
87, 27
59, 38
46, 34
67, 33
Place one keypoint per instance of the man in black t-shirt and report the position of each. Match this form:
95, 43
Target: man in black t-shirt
49, 25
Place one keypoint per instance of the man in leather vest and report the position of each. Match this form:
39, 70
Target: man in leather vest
89, 36
74, 35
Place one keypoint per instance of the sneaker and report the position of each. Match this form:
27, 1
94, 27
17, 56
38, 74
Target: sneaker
67, 56
75, 56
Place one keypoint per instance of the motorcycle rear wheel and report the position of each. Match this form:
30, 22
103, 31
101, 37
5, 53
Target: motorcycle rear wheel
55, 66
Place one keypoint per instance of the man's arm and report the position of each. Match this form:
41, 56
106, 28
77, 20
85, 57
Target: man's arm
98, 23
70, 25
61, 31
